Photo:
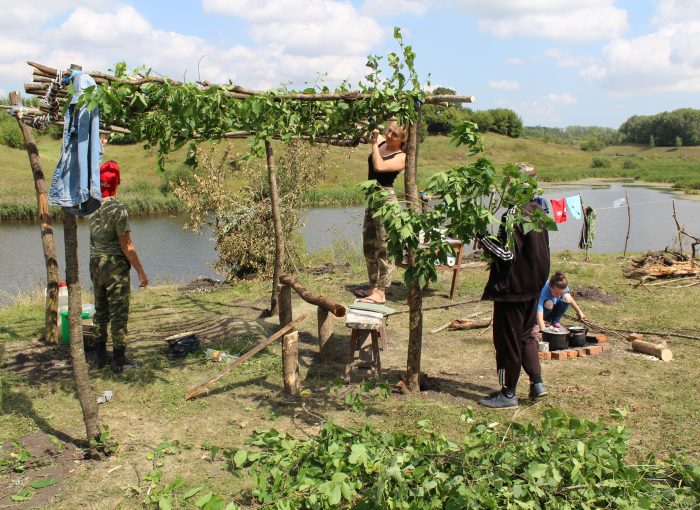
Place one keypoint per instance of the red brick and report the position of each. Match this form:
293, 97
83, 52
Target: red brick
545, 355
571, 353
596, 338
594, 350
606, 347
581, 351
559, 355
635, 336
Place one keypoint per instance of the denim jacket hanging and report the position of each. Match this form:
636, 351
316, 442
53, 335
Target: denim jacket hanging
76, 181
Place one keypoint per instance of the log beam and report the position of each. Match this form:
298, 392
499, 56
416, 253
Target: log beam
321, 301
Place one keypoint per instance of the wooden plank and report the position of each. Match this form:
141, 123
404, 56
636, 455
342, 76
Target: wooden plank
268, 341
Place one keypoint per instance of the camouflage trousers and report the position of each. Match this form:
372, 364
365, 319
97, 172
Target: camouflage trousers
112, 288
374, 246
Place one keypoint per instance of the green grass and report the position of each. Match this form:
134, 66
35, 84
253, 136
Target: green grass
149, 407
145, 191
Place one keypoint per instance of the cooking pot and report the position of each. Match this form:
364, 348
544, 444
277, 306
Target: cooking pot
577, 336
558, 338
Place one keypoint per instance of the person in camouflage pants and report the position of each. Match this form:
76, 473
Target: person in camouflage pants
374, 247
112, 254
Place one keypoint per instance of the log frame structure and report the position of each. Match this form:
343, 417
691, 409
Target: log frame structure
43, 76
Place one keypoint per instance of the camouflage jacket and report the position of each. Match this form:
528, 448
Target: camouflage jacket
106, 225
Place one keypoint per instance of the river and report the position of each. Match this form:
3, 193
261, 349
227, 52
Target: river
171, 255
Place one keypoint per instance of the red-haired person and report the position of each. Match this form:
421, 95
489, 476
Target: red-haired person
112, 255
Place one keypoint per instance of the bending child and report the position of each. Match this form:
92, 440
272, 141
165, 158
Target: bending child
555, 299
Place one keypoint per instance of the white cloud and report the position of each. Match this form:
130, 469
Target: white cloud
564, 98
504, 85
305, 27
382, 7
514, 61
662, 61
676, 10
569, 20
566, 59
321, 36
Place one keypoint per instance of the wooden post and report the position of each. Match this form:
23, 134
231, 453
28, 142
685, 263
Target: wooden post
629, 222
77, 349
325, 334
51, 330
285, 304
277, 219
290, 363
415, 298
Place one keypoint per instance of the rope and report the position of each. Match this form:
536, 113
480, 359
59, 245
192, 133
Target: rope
50, 99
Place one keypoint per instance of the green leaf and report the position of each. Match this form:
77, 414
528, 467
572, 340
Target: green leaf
358, 455
240, 457
45, 482
165, 502
192, 492
23, 495
203, 500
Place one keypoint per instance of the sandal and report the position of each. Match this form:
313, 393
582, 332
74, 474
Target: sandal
371, 301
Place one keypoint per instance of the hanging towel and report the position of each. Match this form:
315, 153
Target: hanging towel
559, 210
573, 204
588, 229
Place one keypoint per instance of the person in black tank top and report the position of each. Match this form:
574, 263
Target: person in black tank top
386, 161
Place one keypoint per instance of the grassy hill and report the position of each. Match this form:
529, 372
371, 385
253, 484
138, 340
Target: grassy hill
144, 190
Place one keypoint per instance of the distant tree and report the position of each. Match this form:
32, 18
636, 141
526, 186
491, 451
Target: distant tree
679, 141
651, 141
665, 127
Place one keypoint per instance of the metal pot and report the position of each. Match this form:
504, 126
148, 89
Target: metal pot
558, 338
577, 336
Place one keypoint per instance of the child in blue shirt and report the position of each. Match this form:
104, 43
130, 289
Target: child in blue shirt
555, 299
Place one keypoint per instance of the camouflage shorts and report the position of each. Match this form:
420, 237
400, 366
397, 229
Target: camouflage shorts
112, 287
374, 246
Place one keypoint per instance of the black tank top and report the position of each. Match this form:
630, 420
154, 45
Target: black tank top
385, 179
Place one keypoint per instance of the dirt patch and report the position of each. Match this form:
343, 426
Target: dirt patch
38, 459
594, 294
40, 362
327, 268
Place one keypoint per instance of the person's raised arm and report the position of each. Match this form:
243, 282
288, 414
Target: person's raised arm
394, 164
129, 251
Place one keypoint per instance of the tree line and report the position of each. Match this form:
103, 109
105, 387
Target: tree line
667, 129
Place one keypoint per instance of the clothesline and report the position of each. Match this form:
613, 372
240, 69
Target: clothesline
634, 204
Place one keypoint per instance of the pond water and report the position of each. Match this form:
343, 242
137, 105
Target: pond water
170, 254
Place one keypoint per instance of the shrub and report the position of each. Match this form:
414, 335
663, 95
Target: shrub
10, 135
628, 164
598, 162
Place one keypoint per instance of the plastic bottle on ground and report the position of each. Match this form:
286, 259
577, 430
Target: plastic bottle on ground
221, 356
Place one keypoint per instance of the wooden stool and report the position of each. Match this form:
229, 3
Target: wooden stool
365, 326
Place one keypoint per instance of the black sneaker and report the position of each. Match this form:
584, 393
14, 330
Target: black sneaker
499, 400
538, 390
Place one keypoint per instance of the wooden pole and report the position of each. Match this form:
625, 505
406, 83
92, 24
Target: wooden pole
290, 363
268, 341
77, 349
285, 304
629, 222
51, 330
678, 228
277, 219
415, 298
325, 334
321, 301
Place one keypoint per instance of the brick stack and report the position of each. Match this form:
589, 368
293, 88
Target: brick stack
596, 343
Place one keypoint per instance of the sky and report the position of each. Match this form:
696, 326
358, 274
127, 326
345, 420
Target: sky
555, 62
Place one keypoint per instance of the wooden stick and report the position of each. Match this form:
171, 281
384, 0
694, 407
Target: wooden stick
325, 334
268, 341
322, 301
436, 307
629, 223
659, 351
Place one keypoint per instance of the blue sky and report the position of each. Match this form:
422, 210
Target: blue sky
555, 62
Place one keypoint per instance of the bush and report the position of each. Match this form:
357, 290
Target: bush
628, 164
598, 162
10, 135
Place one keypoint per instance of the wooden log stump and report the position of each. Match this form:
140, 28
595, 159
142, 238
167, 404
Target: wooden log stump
325, 334
660, 351
290, 363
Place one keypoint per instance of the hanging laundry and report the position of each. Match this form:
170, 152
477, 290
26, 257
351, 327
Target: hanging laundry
588, 229
619, 202
559, 210
75, 184
573, 204
542, 202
